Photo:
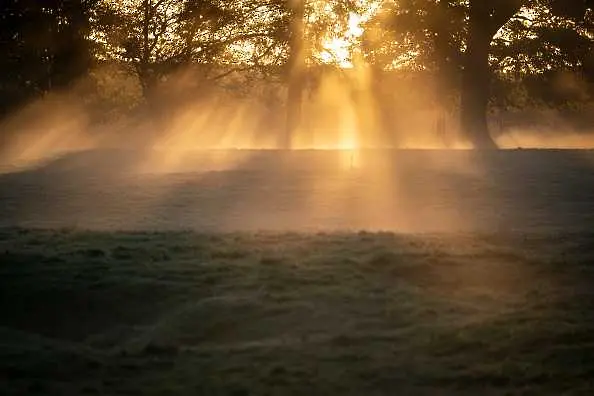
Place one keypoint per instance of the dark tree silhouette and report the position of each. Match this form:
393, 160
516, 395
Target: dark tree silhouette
544, 59
484, 21
156, 37
44, 45
456, 41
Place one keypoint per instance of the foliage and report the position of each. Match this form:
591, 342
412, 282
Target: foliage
44, 46
543, 46
156, 37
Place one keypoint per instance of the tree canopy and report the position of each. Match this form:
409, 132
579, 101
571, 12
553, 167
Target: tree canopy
483, 52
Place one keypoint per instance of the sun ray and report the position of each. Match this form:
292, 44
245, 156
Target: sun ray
342, 41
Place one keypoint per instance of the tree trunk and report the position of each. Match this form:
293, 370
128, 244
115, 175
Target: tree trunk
143, 65
476, 80
146, 20
296, 74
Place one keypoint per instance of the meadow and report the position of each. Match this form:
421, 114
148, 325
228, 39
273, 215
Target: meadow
402, 273
286, 313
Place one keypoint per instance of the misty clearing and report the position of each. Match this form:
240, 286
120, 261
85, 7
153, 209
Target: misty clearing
483, 284
289, 197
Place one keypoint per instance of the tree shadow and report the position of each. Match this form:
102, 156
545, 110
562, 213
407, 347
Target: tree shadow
539, 189
398, 190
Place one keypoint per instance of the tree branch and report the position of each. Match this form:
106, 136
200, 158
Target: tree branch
502, 13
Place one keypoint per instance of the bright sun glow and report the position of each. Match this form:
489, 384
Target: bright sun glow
340, 45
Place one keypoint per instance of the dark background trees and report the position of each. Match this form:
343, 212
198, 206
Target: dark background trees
479, 54
44, 45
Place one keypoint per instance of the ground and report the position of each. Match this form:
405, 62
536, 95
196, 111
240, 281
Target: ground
224, 191
500, 304
260, 313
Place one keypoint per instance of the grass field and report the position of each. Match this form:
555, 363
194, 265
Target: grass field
247, 313
128, 274
225, 191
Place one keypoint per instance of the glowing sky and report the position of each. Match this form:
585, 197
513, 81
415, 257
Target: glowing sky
339, 44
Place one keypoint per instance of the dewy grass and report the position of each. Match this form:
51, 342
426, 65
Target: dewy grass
256, 313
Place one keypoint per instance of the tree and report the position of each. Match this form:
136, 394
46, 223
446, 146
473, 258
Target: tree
575, 36
45, 46
456, 40
155, 37
543, 58
484, 21
296, 71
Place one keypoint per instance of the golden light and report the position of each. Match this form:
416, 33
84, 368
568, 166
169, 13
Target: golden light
339, 50
341, 43
341, 112
336, 51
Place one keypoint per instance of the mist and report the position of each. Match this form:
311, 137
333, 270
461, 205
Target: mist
383, 138
353, 109
196, 155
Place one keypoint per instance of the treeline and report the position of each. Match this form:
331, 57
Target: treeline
482, 54
44, 46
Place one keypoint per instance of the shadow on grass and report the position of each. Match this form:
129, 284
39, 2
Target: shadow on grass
255, 313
